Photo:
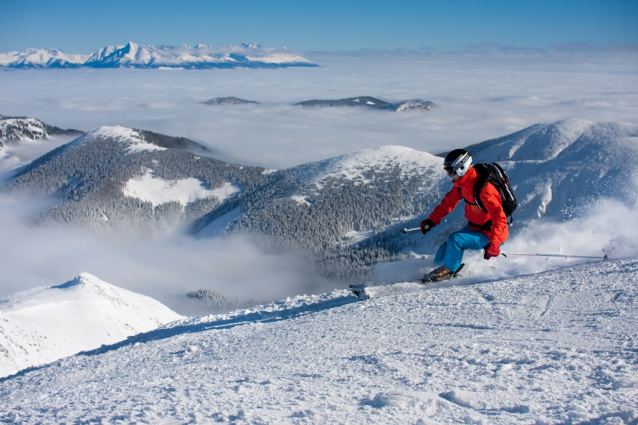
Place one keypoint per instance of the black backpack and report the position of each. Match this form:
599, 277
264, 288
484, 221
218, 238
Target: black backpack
493, 173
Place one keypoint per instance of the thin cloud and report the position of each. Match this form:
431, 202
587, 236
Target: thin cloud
622, 49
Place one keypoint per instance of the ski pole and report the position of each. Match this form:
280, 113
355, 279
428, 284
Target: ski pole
406, 230
529, 254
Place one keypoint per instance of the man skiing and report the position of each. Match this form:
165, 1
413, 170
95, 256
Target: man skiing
485, 230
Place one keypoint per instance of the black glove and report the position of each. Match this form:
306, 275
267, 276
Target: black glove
426, 226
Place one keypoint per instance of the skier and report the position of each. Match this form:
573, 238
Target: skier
485, 230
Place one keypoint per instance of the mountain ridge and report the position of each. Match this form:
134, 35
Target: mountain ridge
369, 102
14, 129
41, 325
132, 55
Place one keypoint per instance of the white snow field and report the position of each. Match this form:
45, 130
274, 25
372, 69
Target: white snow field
559, 346
157, 191
44, 324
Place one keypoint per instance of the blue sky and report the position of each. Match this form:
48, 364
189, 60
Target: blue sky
80, 26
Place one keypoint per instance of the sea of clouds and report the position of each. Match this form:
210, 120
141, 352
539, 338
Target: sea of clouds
477, 98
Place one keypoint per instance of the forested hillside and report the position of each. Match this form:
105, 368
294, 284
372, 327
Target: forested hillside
90, 173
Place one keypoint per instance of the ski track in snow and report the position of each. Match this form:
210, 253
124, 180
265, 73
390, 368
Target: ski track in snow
555, 347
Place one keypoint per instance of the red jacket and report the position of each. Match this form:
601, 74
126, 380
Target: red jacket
477, 218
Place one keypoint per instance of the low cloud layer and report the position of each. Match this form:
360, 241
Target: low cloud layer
477, 99
165, 268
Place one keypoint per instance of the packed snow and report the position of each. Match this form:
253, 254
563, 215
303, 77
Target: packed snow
554, 347
41, 325
158, 191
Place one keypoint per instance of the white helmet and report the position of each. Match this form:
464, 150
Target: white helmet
457, 162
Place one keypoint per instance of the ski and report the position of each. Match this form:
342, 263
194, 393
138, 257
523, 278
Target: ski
363, 291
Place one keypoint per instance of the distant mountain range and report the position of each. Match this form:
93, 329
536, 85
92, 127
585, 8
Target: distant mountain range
369, 102
346, 212
132, 55
230, 101
361, 101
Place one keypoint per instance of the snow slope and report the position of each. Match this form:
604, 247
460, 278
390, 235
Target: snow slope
555, 347
44, 324
133, 55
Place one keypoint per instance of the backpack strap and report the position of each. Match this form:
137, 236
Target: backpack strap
484, 174
486, 171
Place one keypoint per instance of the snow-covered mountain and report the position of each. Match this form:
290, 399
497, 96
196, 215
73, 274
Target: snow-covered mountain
323, 208
132, 55
548, 348
121, 178
41, 325
561, 169
42, 58
14, 129
230, 100
369, 102
23, 139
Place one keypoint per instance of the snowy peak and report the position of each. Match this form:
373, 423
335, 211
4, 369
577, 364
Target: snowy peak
14, 129
562, 169
357, 165
41, 58
132, 55
44, 324
542, 142
134, 140
129, 138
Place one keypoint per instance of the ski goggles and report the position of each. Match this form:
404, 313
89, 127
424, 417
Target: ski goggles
450, 171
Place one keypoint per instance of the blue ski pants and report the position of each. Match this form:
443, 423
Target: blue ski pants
451, 252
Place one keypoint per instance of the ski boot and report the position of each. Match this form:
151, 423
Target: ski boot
441, 273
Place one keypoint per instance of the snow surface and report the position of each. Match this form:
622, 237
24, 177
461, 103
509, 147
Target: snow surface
555, 347
159, 191
44, 324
